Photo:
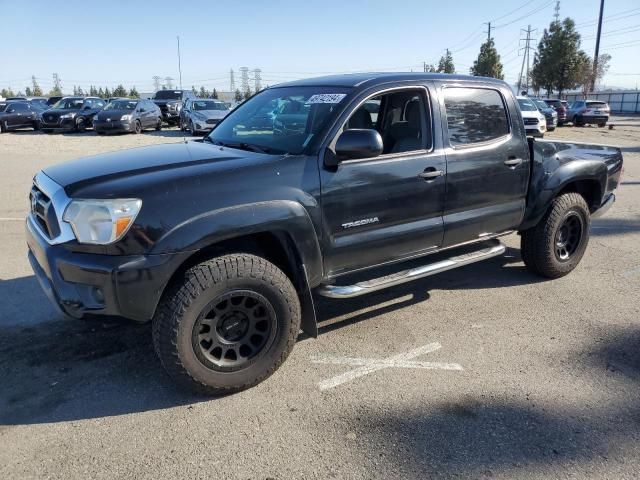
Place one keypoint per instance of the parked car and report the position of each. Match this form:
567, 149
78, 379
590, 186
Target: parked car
202, 114
583, 112
170, 103
128, 115
17, 114
550, 115
220, 241
535, 123
9, 99
560, 107
51, 101
71, 114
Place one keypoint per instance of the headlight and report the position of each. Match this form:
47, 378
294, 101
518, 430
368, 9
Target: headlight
101, 221
68, 115
125, 118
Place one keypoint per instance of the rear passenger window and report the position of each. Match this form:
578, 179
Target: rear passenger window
475, 115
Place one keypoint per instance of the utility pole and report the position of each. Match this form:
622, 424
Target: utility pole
232, 83
244, 79
488, 30
525, 58
557, 10
179, 67
56, 83
257, 79
156, 82
595, 56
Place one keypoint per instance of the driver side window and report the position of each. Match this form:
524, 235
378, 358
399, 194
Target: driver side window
401, 119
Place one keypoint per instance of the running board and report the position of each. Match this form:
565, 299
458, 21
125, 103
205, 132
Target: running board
492, 248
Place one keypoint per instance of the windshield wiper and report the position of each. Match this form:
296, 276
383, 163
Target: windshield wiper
243, 146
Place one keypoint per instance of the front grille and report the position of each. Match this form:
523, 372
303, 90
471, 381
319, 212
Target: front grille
43, 212
531, 121
48, 118
212, 121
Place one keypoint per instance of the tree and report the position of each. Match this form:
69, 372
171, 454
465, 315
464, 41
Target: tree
93, 91
214, 94
56, 91
430, 68
107, 93
247, 93
80, 91
133, 93
37, 91
488, 62
193, 90
558, 62
119, 91
589, 77
238, 95
446, 63
203, 93
27, 92
75, 90
100, 92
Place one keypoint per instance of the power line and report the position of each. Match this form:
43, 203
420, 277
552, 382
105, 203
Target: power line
612, 18
528, 14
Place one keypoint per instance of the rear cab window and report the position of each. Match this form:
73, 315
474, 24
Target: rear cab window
475, 115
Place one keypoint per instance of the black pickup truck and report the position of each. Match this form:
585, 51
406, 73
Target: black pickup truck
221, 242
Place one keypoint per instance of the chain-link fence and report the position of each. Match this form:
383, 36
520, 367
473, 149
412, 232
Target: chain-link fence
619, 102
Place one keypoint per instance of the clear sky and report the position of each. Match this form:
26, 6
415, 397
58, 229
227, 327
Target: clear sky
106, 43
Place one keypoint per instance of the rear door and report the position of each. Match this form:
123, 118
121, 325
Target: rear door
383, 209
487, 161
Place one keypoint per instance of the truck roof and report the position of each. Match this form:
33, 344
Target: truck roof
375, 78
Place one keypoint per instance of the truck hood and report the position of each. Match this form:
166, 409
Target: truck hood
125, 164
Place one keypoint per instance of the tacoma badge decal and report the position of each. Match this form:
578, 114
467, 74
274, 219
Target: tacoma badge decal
359, 223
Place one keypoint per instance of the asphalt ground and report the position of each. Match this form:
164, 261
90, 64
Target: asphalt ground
482, 372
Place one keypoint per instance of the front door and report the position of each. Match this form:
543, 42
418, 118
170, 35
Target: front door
387, 208
487, 162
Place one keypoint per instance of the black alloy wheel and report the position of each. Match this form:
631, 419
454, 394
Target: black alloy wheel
233, 330
138, 127
568, 236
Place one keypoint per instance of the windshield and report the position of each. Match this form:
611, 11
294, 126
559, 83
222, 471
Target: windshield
69, 104
168, 95
208, 105
122, 105
541, 105
526, 105
597, 104
280, 120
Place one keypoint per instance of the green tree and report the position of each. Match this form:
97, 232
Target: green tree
238, 95
133, 93
589, 77
247, 93
27, 92
446, 63
214, 94
56, 91
75, 90
80, 91
99, 92
35, 88
430, 68
559, 61
488, 62
203, 93
4, 93
107, 93
193, 90
119, 91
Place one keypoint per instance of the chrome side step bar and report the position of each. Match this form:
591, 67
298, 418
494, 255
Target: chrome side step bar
492, 248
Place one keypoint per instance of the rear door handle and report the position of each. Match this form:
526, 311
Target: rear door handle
513, 162
431, 174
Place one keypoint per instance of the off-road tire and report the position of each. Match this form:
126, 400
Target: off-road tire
180, 308
538, 244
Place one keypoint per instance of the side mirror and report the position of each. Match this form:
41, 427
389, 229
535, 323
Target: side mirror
11, 110
358, 143
142, 110
87, 107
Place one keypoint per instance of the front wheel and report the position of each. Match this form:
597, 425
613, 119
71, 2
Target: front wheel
159, 125
602, 125
555, 246
227, 325
191, 129
81, 125
137, 127
3, 127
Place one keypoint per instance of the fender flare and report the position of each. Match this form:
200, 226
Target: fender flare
547, 187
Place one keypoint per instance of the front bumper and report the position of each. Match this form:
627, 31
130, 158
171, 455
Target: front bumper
63, 124
535, 130
604, 208
81, 284
113, 126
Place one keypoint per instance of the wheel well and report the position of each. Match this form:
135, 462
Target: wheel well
588, 189
276, 247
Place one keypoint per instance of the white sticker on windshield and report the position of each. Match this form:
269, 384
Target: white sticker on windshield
326, 98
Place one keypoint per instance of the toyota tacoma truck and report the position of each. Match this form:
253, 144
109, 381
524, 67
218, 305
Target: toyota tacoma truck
223, 242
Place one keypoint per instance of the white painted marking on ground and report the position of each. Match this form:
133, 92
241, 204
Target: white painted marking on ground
12, 219
370, 365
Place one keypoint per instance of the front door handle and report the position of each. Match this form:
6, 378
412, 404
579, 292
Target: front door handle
431, 174
513, 162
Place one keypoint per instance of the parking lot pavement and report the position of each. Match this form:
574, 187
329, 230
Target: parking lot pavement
482, 372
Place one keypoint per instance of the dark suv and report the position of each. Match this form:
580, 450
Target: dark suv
127, 115
71, 114
170, 103
560, 108
17, 114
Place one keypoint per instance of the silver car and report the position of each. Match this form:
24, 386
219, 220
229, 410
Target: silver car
200, 115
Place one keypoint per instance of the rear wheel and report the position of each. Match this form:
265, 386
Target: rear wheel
3, 127
228, 324
137, 127
81, 125
555, 246
36, 125
159, 124
602, 125
190, 128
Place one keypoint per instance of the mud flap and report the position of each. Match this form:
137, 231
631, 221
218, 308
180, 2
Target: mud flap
308, 323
